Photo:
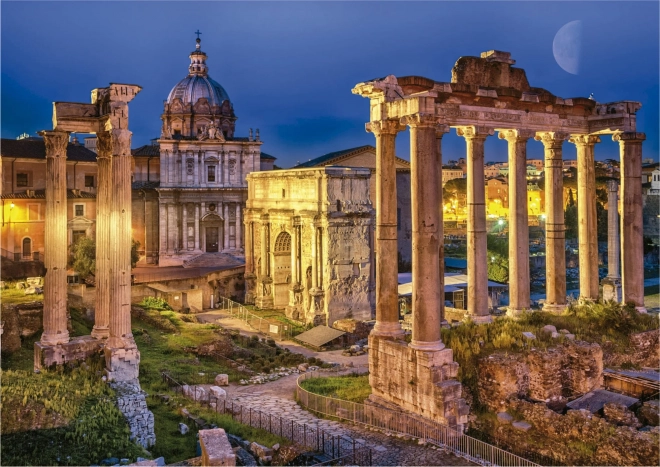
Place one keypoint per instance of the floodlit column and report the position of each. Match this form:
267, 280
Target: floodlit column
315, 266
238, 232
587, 234
440, 131
477, 257
196, 226
426, 233
184, 227
264, 249
171, 228
101, 328
294, 256
632, 239
555, 232
120, 240
518, 221
613, 245
387, 299
55, 240
226, 226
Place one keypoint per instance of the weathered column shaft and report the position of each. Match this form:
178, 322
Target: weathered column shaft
184, 226
104, 195
264, 250
120, 239
387, 299
249, 253
555, 232
587, 235
55, 240
238, 231
226, 226
426, 233
315, 264
477, 296
440, 131
196, 226
632, 237
518, 220
294, 256
613, 242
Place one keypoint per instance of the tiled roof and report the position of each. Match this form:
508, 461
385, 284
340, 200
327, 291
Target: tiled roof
143, 185
267, 156
36, 149
41, 194
148, 150
332, 157
319, 336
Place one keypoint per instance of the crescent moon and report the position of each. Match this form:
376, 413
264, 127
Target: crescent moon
567, 45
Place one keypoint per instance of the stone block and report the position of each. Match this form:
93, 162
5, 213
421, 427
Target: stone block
504, 418
303, 367
522, 426
529, 335
245, 458
183, 428
570, 336
260, 451
222, 380
555, 335
77, 349
216, 393
216, 449
549, 329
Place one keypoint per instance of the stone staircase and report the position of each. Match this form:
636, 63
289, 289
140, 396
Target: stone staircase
211, 260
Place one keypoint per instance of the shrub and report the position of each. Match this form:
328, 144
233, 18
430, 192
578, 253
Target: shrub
155, 303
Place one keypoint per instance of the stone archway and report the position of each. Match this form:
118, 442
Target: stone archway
212, 233
282, 269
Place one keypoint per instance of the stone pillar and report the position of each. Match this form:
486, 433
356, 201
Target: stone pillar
171, 227
632, 238
162, 223
250, 273
184, 226
440, 131
226, 225
518, 221
196, 227
426, 233
555, 243
264, 297
316, 315
295, 308
387, 300
55, 239
477, 296
612, 283
238, 232
587, 235
104, 195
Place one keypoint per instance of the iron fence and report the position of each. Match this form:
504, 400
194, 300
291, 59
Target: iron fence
388, 420
336, 449
269, 327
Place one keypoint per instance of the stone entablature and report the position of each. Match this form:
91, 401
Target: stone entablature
308, 243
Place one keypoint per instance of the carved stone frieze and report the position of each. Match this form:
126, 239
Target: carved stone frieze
628, 136
420, 120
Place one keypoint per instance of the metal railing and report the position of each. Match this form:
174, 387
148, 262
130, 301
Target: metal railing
388, 420
333, 449
269, 327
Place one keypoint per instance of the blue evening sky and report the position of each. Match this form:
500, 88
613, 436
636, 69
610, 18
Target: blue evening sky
289, 67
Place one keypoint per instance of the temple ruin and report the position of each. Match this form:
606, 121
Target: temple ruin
486, 95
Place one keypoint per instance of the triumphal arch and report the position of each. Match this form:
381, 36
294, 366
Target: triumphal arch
486, 95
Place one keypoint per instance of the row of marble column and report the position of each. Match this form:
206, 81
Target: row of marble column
427, 223
113, 239
169, 215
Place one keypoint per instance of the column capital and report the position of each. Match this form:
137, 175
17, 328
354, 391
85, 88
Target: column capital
474, 132
121, 142
388, 127
628, 136
515, 135
551, 139
584, 140
441, 129
103, 144
56, 142
420, 120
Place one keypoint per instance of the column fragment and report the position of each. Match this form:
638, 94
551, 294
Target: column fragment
587, 235
476, 229
387, 306
555, 232
55, 241
612, 283
632, 239
518, 221
426, 233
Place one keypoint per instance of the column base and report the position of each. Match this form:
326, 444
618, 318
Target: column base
641, 309
122, 363
555, 308
485, 319
514, 312
388, 329
611, 289
100, 332
77, 349
55, 339
427, 346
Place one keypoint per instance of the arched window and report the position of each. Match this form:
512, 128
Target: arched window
27, 247
283, 243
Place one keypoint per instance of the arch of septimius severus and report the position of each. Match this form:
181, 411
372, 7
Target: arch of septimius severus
486, 95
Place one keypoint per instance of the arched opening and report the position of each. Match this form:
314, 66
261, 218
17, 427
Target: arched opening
282, 269
27, 248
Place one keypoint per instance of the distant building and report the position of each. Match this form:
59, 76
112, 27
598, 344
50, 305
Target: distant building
90, 143
538, 163
497, 197
450, 172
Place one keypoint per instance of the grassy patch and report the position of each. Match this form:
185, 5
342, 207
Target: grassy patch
12, 296
353, 387
61, 418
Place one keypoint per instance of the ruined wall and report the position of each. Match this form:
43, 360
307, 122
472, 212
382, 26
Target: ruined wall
644, 350
18, 321
501, 376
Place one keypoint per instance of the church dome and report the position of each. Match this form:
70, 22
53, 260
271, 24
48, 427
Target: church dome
194, 87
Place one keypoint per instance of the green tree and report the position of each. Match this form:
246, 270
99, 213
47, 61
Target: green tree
498, 267
571, 216
84, 256
135, 256
456, 187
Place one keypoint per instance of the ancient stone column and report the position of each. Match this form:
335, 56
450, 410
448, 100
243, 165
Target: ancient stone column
264, 297
426, 233
120, 241
440, 131
55, 240
632, 239
104, 195
294, 308
587, 234
196, 227
612, 283
387, 299
477, 257
238, 232
226, 226
518, 221
184, 226
250, 276
555, 243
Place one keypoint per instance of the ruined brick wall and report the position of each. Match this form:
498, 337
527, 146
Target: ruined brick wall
500, 377
19, 321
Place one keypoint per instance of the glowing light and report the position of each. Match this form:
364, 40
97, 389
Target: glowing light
11, 206
500, 222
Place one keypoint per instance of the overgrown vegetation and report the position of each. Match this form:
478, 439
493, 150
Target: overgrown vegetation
353, 387
61, 418
154, 303
601, 323
83, 256
12, 295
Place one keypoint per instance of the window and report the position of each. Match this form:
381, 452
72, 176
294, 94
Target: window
22, 179
211, 173
78, 210
89, 181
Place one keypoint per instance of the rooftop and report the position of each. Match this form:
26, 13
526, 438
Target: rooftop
36, 149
